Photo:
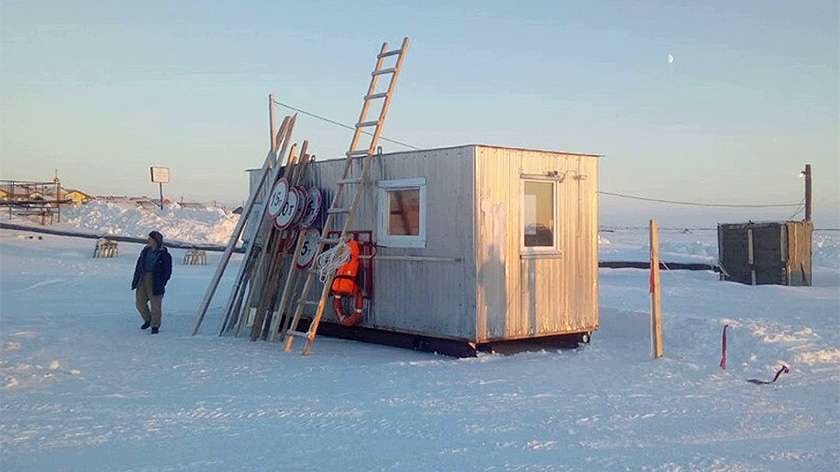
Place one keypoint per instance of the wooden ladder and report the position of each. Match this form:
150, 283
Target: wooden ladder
290, 330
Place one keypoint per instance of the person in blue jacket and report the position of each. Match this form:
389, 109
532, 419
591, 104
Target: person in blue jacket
154, 267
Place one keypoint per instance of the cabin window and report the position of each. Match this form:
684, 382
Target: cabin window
539, 216
402, 213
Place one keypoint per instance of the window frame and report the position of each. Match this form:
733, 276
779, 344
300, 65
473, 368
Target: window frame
401, 241
554, 250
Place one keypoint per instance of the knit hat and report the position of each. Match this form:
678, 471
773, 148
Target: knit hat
157, 237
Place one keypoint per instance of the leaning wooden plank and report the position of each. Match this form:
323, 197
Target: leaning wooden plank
237, 232
287, 291
270, 241
230, 321
285, 135
260, 272
256, 277
263, 319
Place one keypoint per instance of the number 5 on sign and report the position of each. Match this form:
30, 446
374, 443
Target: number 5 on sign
308, 248
277, 197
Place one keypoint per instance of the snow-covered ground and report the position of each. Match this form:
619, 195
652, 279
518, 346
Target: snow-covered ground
83, 389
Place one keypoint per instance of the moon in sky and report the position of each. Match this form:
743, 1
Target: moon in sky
670, 59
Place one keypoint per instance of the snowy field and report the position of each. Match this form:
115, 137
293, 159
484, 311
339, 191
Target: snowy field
83, 389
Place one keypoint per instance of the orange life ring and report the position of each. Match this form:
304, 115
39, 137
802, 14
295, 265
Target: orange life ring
359, 307
344, 283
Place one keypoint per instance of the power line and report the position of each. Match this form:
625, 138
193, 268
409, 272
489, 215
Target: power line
634, 197
799, 210
313, 115
675, 202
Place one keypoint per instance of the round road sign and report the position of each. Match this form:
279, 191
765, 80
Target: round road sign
277, 197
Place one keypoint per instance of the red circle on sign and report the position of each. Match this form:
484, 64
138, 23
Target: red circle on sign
301, 207
277, 197
309, 249
287, 213
313, 206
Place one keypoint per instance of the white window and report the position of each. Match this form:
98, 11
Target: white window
402, 213
539, 217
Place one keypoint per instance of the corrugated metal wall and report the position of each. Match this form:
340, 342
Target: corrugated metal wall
435, 298
539, 295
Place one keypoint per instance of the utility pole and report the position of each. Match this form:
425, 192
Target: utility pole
57, 183
807, 176
271, 124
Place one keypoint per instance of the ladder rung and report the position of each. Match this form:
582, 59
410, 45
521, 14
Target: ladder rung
384, 71
376, 95
329, 240
355, 180
311, 302
338, 210
365, 124
297, 334
389, 53
357, 152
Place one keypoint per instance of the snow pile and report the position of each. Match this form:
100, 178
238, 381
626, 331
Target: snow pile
825, 250
699, 246
209, 225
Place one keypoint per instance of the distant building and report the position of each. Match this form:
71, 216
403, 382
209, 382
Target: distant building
77, 196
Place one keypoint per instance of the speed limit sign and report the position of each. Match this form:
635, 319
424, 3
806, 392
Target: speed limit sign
277, 197
313, 207
288, 211
301, 207
308, 249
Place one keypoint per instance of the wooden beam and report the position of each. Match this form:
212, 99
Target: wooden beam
655, 296
237, 232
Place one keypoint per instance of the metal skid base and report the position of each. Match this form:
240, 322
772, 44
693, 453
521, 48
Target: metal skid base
448, 347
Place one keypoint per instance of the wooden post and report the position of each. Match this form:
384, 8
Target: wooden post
655, 296
58, 195
751, 255
807, 192
271, 124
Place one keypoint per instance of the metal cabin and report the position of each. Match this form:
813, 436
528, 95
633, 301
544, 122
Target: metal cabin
475, 246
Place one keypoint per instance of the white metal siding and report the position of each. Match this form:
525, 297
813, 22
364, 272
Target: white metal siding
435, 298
540, 295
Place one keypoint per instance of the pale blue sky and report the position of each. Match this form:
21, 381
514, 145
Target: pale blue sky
102, 90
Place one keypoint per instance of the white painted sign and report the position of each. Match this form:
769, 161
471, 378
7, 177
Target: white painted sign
308, 248
277, 197
160, 174
313, 207
287, 213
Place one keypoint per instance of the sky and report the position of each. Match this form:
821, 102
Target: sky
103, 90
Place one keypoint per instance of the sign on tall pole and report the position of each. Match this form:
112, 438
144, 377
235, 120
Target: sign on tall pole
160, 175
